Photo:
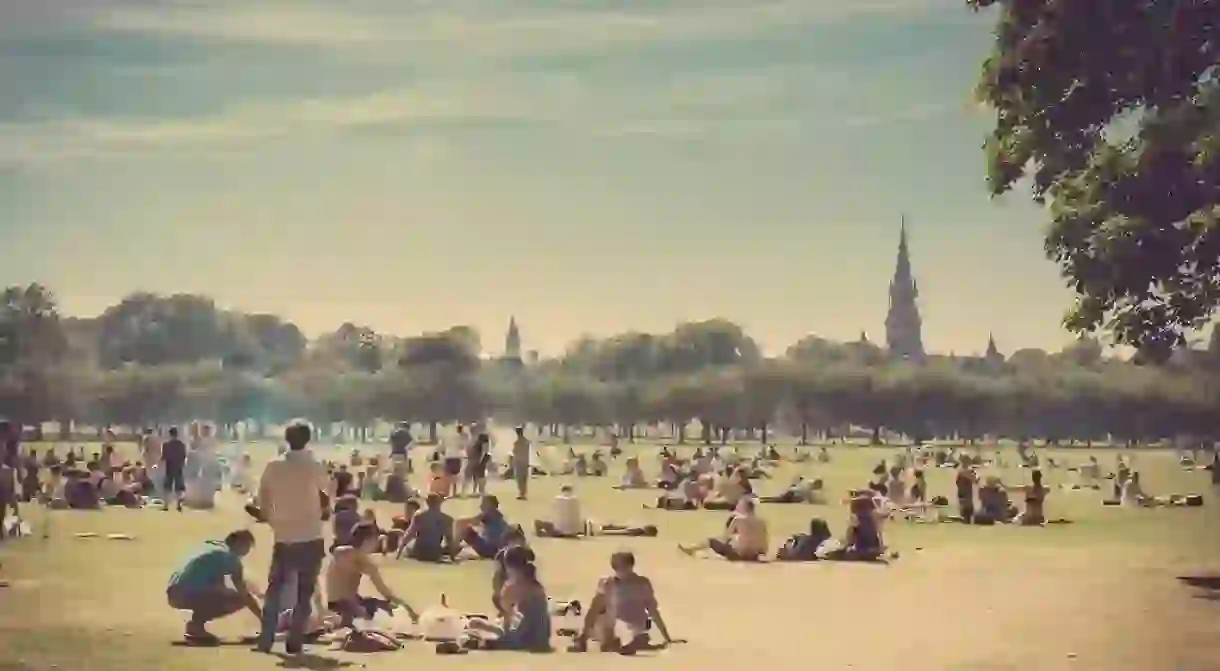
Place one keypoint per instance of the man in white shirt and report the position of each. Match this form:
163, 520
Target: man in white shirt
567, 520
291, 500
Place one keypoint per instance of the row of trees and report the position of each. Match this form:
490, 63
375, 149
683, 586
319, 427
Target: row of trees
160, 359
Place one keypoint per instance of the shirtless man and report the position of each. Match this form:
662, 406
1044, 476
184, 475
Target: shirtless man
626, 597
745, 539
348, 568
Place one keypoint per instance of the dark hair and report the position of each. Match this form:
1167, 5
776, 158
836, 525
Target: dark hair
297, 435
492, 500
624, 557
434, 500
520, 430
515, 532
1036, 475
241, 536
173, 432
364, 532
413, 503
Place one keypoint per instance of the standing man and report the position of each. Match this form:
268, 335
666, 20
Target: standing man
150, 455
291, 498
173, 469
521, 463
454, 450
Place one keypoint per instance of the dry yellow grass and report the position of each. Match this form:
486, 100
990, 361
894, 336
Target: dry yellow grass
1098, 594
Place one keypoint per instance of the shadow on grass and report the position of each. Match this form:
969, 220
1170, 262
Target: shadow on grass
308, 660
1206, 587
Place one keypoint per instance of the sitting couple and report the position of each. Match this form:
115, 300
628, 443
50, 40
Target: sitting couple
568, 521
434, 536
862, 542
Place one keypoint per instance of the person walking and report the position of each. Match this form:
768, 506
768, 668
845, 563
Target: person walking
291, 498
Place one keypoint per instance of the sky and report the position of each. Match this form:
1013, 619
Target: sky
589, 167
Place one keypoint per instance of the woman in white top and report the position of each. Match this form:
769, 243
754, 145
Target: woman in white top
1133, 492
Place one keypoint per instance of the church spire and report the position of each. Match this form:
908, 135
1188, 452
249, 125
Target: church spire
512, 341
903, 326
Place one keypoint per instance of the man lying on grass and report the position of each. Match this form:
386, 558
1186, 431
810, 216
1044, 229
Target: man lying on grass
199, 586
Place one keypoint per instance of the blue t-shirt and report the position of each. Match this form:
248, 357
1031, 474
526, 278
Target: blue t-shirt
207, 568
494, 527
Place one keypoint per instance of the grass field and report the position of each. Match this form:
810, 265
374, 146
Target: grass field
1100, 594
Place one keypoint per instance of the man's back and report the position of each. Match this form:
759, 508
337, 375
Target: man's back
434, 527
173, 453
206, 568
290, 495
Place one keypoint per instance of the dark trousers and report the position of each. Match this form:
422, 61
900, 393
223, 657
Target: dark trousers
301, 562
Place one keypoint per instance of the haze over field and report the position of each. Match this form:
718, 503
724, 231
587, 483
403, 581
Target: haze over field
587, 167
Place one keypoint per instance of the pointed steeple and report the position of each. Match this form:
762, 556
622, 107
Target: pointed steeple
992, 351
512, 341
903, 326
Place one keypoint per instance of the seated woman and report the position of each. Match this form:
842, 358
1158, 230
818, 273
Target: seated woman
484, 533
633, 477
526, 623
370, 486
823, 455
863, 541
597, 465
745, 539
800, 491
801, 455
580, 465
728, 490
1090, 473
670, 475
804, 547
993, 502
1035, 497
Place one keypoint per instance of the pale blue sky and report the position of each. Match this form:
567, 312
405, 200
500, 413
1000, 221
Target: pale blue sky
591, 167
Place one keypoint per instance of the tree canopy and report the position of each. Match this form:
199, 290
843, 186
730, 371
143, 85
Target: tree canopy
231, 367
1111, 109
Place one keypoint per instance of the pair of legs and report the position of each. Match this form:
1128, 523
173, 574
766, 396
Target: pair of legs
453, 468
205, 605
521, 474
721, 548
302, 562
481, 546
173, 485
599, 625
788, 496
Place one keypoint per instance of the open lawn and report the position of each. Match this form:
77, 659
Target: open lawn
1100, 594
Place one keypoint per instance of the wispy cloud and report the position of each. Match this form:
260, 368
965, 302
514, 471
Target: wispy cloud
482, 29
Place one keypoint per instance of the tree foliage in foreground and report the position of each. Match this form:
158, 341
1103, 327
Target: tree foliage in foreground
1112, 109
